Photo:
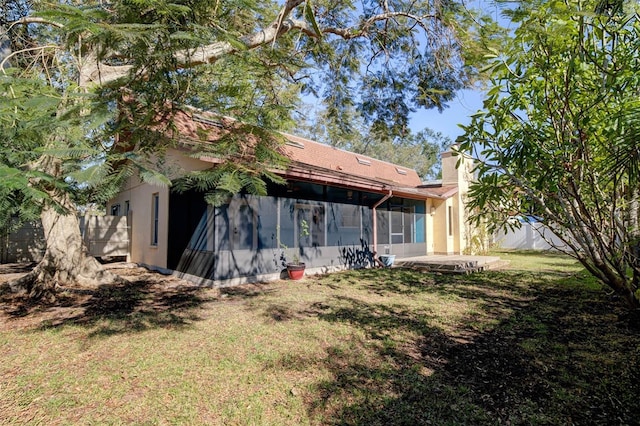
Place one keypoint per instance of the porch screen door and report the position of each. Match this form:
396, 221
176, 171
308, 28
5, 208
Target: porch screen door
397, 225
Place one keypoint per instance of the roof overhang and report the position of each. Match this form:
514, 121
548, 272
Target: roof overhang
307, 173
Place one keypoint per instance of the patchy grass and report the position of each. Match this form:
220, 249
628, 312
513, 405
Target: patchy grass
539, 343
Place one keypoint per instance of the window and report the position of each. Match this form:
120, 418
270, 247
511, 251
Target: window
295, 144
287, 214
247, 223
244, 236
267, 222
382, 225
155, 211
302, 223
397, 225
309, 227
115, 210
408, 224
450, 220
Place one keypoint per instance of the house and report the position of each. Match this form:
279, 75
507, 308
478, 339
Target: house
337, 209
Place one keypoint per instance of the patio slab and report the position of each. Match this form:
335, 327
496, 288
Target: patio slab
456, 264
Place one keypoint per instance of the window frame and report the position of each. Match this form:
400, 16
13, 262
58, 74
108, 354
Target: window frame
155, 218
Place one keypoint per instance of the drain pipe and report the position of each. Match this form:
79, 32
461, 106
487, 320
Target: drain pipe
375, 221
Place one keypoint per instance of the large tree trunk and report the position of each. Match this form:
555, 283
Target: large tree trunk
66, 260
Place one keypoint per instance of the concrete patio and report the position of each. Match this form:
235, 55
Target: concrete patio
452, 264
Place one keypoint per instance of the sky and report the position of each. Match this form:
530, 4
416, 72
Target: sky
467, 102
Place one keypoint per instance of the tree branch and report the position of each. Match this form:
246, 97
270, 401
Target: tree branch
34, 20
31, 49
362, 30
99, 73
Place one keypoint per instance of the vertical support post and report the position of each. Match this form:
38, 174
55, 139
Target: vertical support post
375, 221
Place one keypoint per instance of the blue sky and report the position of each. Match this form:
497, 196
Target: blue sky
467, 102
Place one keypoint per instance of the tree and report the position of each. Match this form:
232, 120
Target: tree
79, 73
419, 151
558, 138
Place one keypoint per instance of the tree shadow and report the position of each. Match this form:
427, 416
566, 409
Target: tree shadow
247, 291
553, 356
111, 309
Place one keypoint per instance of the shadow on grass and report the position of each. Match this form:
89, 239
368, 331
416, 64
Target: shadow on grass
113, 309
555, 354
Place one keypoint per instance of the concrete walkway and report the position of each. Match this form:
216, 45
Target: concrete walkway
456, 264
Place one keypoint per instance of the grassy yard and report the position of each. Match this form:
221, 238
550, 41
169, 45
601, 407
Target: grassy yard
540, 343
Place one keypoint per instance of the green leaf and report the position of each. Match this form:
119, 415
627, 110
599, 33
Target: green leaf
311, 18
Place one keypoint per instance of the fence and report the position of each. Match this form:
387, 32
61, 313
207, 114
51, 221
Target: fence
530, 236
104, 236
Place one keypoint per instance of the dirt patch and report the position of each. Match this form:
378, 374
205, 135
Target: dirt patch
12, 271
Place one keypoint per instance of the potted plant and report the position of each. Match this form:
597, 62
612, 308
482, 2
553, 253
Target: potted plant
387, 259
295, 268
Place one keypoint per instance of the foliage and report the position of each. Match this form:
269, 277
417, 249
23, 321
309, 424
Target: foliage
419, 151
37, 120
558, 137
249, 60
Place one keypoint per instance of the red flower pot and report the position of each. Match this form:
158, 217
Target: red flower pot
295, 270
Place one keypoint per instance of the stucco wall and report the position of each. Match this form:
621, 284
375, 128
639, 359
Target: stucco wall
461, 176
139, 196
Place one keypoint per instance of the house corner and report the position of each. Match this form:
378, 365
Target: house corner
457, 169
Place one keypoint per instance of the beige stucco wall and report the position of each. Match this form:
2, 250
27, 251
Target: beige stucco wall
430, 238
140, 197
462, 177
442, 241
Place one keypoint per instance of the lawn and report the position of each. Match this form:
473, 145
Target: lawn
538, 343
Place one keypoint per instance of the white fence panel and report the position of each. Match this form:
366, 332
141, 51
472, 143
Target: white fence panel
25, 244
104, 236
529, 237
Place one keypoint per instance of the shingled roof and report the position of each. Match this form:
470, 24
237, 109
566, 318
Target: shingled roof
306, 151
316, 162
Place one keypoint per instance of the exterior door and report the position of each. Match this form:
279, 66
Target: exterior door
402, 228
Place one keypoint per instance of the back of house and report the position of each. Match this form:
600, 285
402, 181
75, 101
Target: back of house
337, 209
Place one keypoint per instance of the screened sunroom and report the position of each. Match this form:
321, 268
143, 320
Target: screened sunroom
322, 225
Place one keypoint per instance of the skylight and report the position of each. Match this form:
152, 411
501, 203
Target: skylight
363, 161
295, 144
